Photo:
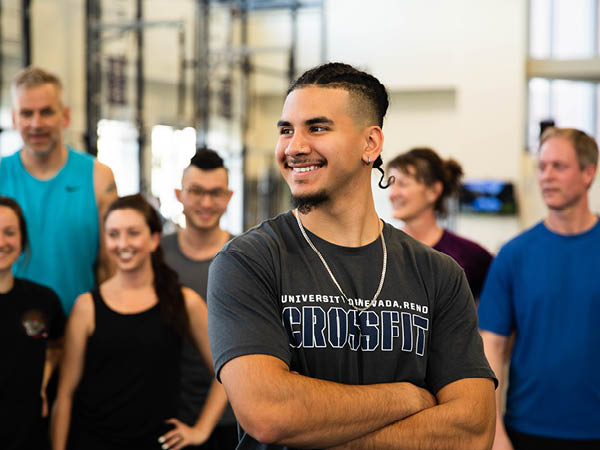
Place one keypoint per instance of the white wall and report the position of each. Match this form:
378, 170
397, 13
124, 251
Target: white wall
455, 72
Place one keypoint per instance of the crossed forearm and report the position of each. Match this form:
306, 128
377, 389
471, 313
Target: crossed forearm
298, 411
463, 422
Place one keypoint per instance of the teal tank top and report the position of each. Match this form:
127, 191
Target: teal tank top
62, 224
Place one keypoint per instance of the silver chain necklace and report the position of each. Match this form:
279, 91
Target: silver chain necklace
383, 269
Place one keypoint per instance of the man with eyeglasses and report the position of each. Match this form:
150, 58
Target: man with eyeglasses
204, 195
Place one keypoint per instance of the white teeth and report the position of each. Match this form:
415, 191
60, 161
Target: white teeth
304, 169
126, 254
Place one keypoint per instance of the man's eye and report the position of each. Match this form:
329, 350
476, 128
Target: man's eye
317, 128
285, 131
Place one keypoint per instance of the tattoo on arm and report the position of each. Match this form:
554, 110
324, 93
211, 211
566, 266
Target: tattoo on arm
112, 187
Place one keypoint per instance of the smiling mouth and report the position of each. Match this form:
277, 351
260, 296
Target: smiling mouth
305, 169
125, 254
299, 166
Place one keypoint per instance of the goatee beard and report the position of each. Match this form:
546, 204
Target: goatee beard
306, 203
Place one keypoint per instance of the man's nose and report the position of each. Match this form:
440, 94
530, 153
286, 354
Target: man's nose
298, 145
36, 120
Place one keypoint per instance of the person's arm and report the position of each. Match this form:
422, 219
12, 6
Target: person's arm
182, 435
495, 347
464, 418
251, 347
105, 189
456, 369
277, 406
79, 328
53, 355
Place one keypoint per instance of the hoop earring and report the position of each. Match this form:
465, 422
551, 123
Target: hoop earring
368, 161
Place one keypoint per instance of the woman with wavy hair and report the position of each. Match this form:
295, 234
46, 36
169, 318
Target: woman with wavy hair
119, 380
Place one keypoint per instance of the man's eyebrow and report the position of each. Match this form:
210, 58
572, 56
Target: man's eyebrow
316, 120
308, 122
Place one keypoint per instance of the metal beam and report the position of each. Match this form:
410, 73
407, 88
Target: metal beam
202, 72
139, 109
572, 69
270, 5
245, 112
93, 68
293, 42
26, 32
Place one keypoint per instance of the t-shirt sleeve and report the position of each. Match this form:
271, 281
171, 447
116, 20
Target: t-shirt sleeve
243, 316
496, 313
456, 349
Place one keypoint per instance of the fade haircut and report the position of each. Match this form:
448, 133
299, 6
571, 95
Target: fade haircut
585, 146
33, 76
207, 159
369, 97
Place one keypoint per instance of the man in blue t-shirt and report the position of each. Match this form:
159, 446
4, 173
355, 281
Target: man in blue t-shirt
543, 288
63, 193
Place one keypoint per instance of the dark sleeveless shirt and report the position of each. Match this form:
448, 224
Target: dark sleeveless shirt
130, 382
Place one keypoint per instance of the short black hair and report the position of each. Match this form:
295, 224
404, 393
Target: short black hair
344, 76
207, 159
364, 86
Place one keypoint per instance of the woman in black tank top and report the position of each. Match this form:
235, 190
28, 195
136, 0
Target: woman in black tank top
119, 380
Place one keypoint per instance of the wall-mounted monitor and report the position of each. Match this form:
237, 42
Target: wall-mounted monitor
487, 197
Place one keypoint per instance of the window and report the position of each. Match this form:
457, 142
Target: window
564, 35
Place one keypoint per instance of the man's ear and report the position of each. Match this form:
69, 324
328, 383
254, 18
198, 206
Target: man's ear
66, 116
373, 144
178, 194
589, 173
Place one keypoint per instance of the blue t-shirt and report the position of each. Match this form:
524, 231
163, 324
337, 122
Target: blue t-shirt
546, 287
62, 224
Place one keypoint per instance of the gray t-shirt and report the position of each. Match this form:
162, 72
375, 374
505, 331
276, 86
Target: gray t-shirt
270, 294
195, 375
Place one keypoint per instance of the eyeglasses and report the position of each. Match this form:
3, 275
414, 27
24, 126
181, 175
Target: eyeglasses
217, 194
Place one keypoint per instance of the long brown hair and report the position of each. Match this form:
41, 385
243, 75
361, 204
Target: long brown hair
166, 281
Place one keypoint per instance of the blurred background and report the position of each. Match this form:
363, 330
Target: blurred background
149, 80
